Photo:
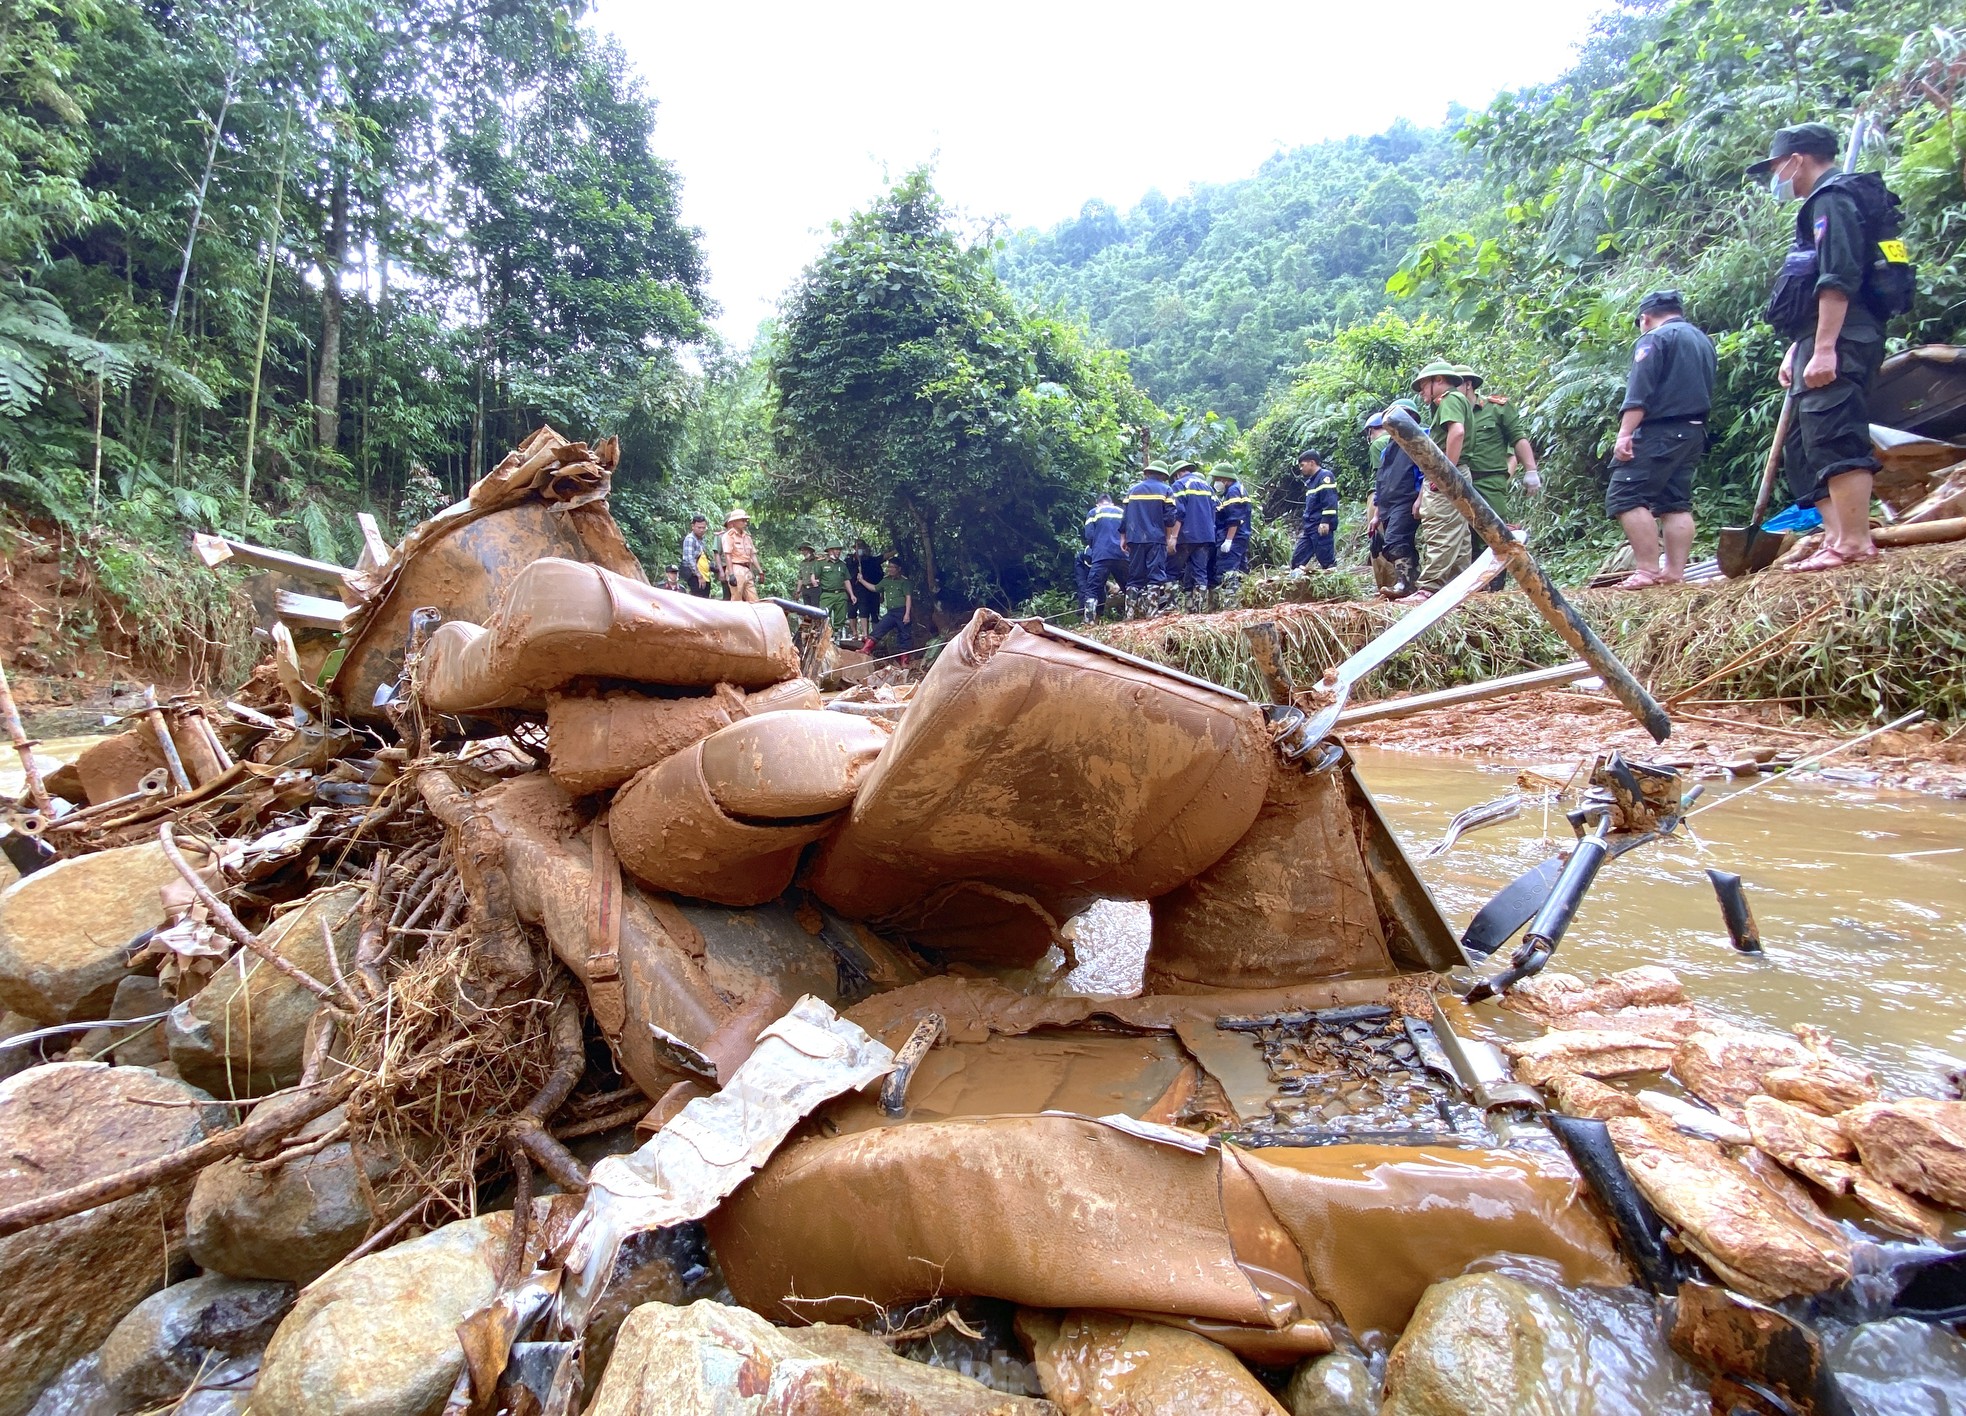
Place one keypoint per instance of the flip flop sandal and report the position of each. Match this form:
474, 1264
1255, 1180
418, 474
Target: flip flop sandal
1828, 558
1638, 580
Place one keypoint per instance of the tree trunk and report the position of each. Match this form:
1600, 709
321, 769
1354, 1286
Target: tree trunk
928, 552
265, 309
327, 387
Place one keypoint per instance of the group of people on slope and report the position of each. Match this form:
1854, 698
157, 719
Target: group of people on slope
1187, 537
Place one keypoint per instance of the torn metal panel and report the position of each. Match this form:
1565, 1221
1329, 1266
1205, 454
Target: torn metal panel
803, 1060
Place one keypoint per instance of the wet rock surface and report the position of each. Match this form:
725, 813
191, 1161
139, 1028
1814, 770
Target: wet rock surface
68, 1283
1917, 1145
1092, 1364
248, 1038
290, 1224
709, 1358
64, 931
1337, 1384
1489, 1345
379, 1337
181, 1334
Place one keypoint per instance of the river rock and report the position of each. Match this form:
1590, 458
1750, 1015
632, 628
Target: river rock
1092, 1364
1336, 1384
1726, 1065
379, 1337
249, 1039
1489, 1345
16, 1059
64, 930
293, 1223
68, 1283
139, 996
712, 1360
1917, 1144
179, 1333
1901, 1367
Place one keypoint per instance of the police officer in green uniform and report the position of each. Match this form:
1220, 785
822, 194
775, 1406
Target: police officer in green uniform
1443, 535
1495, 434
1845, 275
832, 576
897, 594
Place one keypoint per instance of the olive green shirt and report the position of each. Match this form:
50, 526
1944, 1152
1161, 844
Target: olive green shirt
1492, 436
1453, 409
895, 590
832, 577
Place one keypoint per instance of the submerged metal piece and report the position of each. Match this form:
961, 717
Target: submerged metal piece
1735, 912
1513, 906
1641, 1233
1476, 818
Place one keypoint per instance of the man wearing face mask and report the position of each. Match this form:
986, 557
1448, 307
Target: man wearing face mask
1845, 275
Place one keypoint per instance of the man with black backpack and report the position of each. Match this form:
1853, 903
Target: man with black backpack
1845, 276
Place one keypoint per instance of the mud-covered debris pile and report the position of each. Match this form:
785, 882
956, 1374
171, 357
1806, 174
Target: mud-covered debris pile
556, 1002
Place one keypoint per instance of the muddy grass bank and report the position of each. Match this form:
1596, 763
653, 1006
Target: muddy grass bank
1793, 663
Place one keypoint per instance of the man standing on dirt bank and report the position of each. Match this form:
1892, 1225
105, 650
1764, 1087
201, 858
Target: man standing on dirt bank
1443, 533
897, 594
1234, 520
1148, 527
739, 556
1661, 434
1318, 539
1496, 434
699, 567
1846, 274
1104, 558
1194, 546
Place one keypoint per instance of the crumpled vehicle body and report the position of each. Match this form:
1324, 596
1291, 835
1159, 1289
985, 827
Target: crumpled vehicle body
562, 620
600, 740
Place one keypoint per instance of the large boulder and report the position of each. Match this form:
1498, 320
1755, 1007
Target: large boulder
379, 1337
64, 931
180, 1334
66, 1284
293, 1223
1488, 1345
1092, 1364
712, 1360
249, 1038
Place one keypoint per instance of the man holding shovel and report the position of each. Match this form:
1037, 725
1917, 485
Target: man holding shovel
1661, 434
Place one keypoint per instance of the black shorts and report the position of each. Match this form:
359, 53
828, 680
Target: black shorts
1829, 433
1659, 478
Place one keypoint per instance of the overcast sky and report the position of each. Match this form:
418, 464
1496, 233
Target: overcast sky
782, 118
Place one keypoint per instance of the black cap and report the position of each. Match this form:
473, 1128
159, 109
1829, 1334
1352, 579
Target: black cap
1311, 454
1811, 139
1661, 302
673, 569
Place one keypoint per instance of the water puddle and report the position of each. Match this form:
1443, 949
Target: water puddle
1860, 894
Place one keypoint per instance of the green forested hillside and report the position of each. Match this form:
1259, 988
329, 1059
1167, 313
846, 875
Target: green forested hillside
1215, 294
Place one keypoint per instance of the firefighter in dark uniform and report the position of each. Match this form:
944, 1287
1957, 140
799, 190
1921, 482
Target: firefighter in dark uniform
1845, 275
1194, 547
1147, 529
1233, 522
1389, 516
1662, 430
1104, 557
1319, 539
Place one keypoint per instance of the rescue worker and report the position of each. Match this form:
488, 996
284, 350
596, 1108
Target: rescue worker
832, 578
672, 579
1194, 544
1148, 526
1661, 434
1234, 520
808, 575
1104, 557
738, 556
1495, 436
1443, 532
897, 597
1845, 275
863, 576
1318, 540
699, 565
1389, 512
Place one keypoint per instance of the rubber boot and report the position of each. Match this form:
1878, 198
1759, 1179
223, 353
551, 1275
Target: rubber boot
1133, 604
1088, 611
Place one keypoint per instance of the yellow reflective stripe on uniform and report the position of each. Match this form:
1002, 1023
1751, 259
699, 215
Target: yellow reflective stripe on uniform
1236, 501
1148, 497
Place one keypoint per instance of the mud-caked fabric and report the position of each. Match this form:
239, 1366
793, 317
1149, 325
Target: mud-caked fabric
1829, 432
1659, 477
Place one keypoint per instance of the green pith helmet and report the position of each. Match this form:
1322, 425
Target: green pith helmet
1223, 473
1468, 375
1181, 467
1438, 369
1155, 469
1412, 408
